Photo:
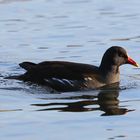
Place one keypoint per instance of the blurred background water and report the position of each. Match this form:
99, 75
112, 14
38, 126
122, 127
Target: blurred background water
71, 30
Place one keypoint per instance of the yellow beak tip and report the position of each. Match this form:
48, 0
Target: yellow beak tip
137, 65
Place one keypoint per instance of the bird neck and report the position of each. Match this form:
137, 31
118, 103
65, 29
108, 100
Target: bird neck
110, 73
108, 68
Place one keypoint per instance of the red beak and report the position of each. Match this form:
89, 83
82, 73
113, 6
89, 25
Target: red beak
132, 62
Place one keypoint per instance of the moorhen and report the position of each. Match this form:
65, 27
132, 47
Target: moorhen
71, 76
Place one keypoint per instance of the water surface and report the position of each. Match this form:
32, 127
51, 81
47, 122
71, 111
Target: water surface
71, 30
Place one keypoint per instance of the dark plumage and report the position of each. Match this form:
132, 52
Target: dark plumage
70, 76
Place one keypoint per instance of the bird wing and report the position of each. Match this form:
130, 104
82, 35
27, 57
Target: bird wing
61, 76
59, 69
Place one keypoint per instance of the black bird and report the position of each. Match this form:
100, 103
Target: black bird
71, 76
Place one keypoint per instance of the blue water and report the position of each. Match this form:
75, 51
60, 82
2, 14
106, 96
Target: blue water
70, 30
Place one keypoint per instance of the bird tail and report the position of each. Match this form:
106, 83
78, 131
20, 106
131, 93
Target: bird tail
27, 65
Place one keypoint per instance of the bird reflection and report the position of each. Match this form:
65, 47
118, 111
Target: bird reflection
109, 103
106, 101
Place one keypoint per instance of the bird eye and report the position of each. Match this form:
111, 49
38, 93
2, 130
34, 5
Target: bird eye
121, 55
